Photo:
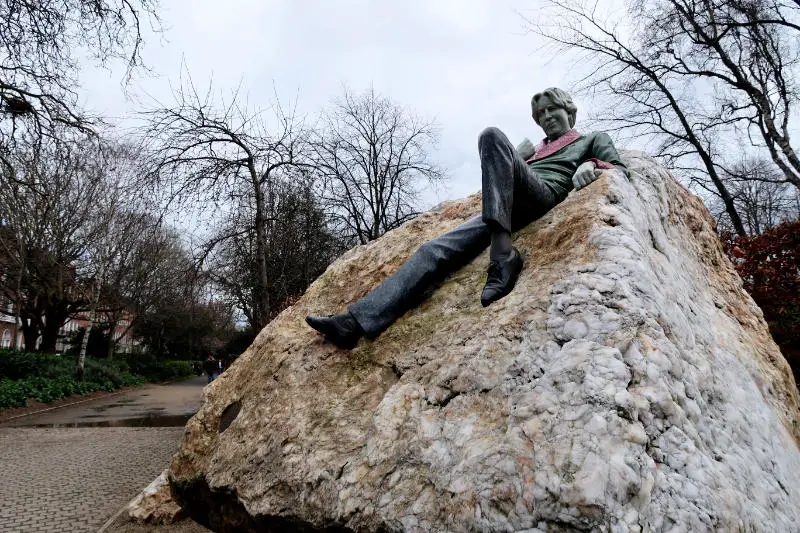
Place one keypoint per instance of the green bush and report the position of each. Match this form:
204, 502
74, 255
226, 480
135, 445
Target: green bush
12, 394
102, 370
21, 365
15, 393
129, 380
159, 371
49, 377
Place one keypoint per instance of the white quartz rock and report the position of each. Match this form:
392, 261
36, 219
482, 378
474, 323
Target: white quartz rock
627, 384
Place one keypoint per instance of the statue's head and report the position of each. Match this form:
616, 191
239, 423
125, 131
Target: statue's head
554, 111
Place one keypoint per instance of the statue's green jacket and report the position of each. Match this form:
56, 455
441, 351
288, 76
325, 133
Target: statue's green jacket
556, 170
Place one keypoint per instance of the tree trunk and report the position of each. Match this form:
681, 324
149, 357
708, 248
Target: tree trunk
261, 292
18, 300
160, 341
724, 193
704, 155
81, 370
112, 342
88, 330
792, 176
30, 333
49, 334
17, 322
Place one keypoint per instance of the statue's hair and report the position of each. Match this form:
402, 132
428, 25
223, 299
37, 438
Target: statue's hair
559, 97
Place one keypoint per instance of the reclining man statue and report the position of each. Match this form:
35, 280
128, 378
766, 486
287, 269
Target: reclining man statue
519, 186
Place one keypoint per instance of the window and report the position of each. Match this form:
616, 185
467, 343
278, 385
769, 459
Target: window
6, 340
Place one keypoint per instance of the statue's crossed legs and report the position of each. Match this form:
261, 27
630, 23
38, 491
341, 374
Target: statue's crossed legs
513, 197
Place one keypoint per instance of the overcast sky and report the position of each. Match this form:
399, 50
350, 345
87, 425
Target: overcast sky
466, 63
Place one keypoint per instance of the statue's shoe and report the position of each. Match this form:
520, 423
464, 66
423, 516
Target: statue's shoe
502, 277
342, 330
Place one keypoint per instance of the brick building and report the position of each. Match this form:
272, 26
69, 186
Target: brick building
7, 331
125, 341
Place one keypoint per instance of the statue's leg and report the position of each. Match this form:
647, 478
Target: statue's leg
513, 195
430, 263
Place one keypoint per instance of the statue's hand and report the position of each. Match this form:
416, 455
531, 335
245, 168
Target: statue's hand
585, 174
526, 149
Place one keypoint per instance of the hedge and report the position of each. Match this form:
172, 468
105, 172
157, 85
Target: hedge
15, 393
49, 377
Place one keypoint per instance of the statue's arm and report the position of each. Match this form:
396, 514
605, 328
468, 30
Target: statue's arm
604, 151
602, 156
526, 149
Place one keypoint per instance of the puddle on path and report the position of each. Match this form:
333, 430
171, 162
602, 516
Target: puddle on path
152, 421
118, 403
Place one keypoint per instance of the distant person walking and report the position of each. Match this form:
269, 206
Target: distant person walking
211, 366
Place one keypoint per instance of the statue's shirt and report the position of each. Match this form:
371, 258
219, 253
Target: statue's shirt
556, 170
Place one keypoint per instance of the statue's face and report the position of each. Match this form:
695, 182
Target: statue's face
553, 119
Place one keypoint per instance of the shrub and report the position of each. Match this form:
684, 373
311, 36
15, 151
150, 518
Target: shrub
102, 370
12, 394
164, 370
15, 393
769, 265
20, 365
49, 377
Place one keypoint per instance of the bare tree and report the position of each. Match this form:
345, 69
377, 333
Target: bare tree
173, 309
748, 49
373, 155
120, 221
75, 239
763, 197
645, 96
211, 154
47, 220
129, 282
38, 64
300, 247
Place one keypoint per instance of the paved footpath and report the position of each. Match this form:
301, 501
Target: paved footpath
57, 475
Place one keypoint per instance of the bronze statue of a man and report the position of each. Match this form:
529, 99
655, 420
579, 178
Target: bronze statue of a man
519, 185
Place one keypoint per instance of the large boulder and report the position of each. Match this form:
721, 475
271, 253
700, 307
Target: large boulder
627, 384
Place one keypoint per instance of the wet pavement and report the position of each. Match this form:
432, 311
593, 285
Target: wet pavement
72, 468
150, 406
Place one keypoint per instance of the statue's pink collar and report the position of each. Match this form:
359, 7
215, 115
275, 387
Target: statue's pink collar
549, 148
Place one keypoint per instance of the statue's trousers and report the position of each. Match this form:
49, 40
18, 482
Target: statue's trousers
513, 197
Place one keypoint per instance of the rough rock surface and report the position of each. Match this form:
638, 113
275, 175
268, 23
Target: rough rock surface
155, 505
627, 384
